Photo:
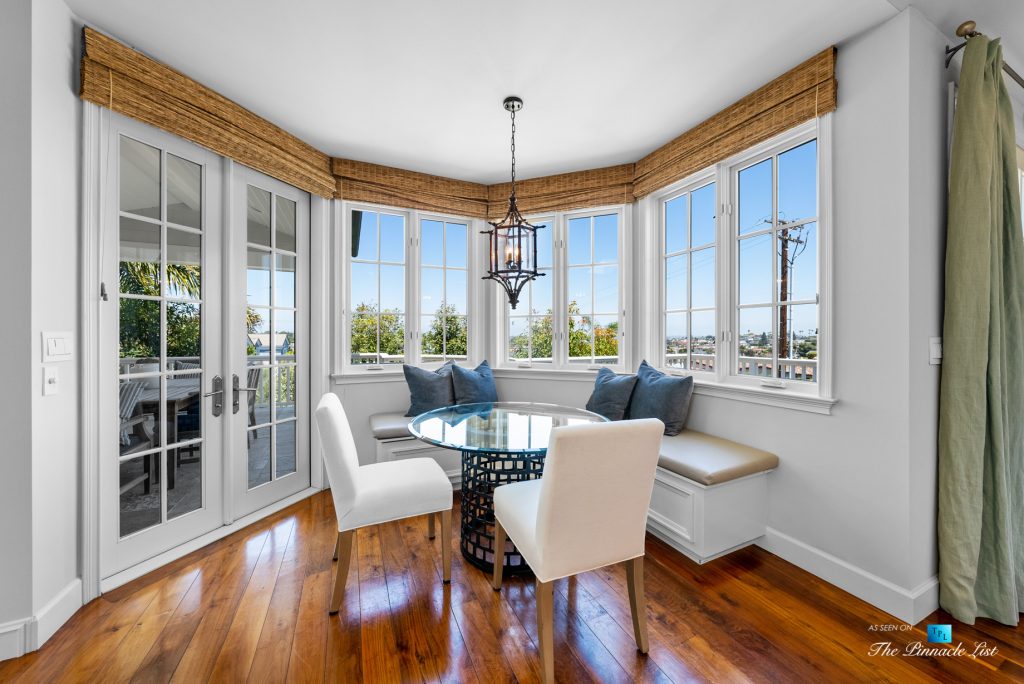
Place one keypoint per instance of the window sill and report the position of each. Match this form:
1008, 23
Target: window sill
367, 377
767, 397
569, 374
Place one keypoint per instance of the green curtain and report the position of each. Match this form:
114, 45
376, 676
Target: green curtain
981, 408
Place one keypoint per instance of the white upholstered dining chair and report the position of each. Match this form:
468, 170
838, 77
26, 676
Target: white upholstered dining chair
377, 493
588, 510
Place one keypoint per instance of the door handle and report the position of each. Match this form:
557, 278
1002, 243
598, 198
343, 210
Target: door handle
235, 389
218, 392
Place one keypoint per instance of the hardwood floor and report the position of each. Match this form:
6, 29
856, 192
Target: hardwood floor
253, 607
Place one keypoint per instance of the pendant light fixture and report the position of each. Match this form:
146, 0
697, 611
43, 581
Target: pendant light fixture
513, 241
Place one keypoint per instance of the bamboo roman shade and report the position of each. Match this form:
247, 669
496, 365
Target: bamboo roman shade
578, 190
801, 94
365, 182
130, 83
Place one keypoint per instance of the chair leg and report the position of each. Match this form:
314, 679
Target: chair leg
499, 554
637, 603
337, 547
545, 625
430, 526
446, 545
345, 540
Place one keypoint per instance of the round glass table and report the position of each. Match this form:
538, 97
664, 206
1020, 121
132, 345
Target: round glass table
501, 442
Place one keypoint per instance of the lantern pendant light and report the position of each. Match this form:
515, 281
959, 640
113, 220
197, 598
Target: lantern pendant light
513, 241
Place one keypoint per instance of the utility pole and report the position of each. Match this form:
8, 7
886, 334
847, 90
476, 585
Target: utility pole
786, 262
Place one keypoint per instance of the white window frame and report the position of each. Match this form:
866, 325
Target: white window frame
471, 331
342, 220
725, 382
560, 364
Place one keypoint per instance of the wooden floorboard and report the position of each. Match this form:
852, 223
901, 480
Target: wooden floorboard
253, 607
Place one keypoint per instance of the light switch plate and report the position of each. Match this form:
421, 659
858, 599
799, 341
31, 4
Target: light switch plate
51, 384
58, 346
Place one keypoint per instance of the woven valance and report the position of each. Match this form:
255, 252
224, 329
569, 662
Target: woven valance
566, 191
364, 182
801, 94
130, 83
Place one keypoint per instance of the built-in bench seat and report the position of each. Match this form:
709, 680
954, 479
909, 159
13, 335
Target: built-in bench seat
710, 494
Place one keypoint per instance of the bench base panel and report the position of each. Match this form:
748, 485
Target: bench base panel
410, 447
707, 522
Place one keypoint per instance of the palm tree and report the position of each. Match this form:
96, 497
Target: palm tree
141, 277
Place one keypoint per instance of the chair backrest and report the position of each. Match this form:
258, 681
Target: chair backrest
595, 493
340, 453
128, 398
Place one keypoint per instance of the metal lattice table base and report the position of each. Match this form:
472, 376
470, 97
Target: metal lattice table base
481, 473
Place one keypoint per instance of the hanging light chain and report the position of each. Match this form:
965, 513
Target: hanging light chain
513, 112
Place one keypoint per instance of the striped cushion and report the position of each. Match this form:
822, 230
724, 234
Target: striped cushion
128, 399
186, 365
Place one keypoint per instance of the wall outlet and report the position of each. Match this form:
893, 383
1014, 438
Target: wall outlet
935, 351
51, 381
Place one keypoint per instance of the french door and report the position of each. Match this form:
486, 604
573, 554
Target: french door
204, 339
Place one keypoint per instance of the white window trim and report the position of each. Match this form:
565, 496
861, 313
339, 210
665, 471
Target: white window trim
560, 365
818, 397
347, 372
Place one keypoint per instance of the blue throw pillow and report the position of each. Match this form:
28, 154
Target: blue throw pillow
429, 390
661, 396
611, 394
474, 386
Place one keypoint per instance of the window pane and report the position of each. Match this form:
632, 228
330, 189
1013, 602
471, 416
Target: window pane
606, 289
364, 235
259, 456
431, 290
676, 238
140, 257
140, 178
798, 263
258, 216
184, 191
606, 339
456, 336
285, 226
140, 493
432, 243
703, 263
392, 288
456, 245
755, 341
259, 376
184, 256
364, 339
284, 393
257, 333
518, 337
675, 340
543, 245
392, 238
432, 337
755, 193
540, 290
798, 183
257, 277
541, 337
702, 341
798, 340
579, 241
184, 322
139, 411
284, 335
392, 338
606, 239
187, 494
675, 283
579, 290
456, 291
364, 288
756, 269
702, 222
284, 440
140, 329
284, 281
580, 331
183, 394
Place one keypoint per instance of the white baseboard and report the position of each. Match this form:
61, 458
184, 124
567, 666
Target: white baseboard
136, 571
908, 605
24, 636
58, 611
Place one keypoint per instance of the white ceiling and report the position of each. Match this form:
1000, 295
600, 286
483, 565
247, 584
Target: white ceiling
418, 84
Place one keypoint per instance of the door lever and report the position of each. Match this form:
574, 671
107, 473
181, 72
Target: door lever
218, 392
235, 389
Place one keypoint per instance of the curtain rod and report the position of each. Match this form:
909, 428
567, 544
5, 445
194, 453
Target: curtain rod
966, 30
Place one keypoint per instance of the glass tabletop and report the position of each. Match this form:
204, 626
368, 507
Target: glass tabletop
511, 427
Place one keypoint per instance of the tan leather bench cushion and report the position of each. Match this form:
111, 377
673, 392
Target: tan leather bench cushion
712, 460
390, 426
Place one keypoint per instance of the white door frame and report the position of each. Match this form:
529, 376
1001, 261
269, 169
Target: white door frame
95, 134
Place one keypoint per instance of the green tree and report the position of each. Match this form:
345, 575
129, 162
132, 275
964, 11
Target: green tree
140, 319
606, 338
365, 326
447, 327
